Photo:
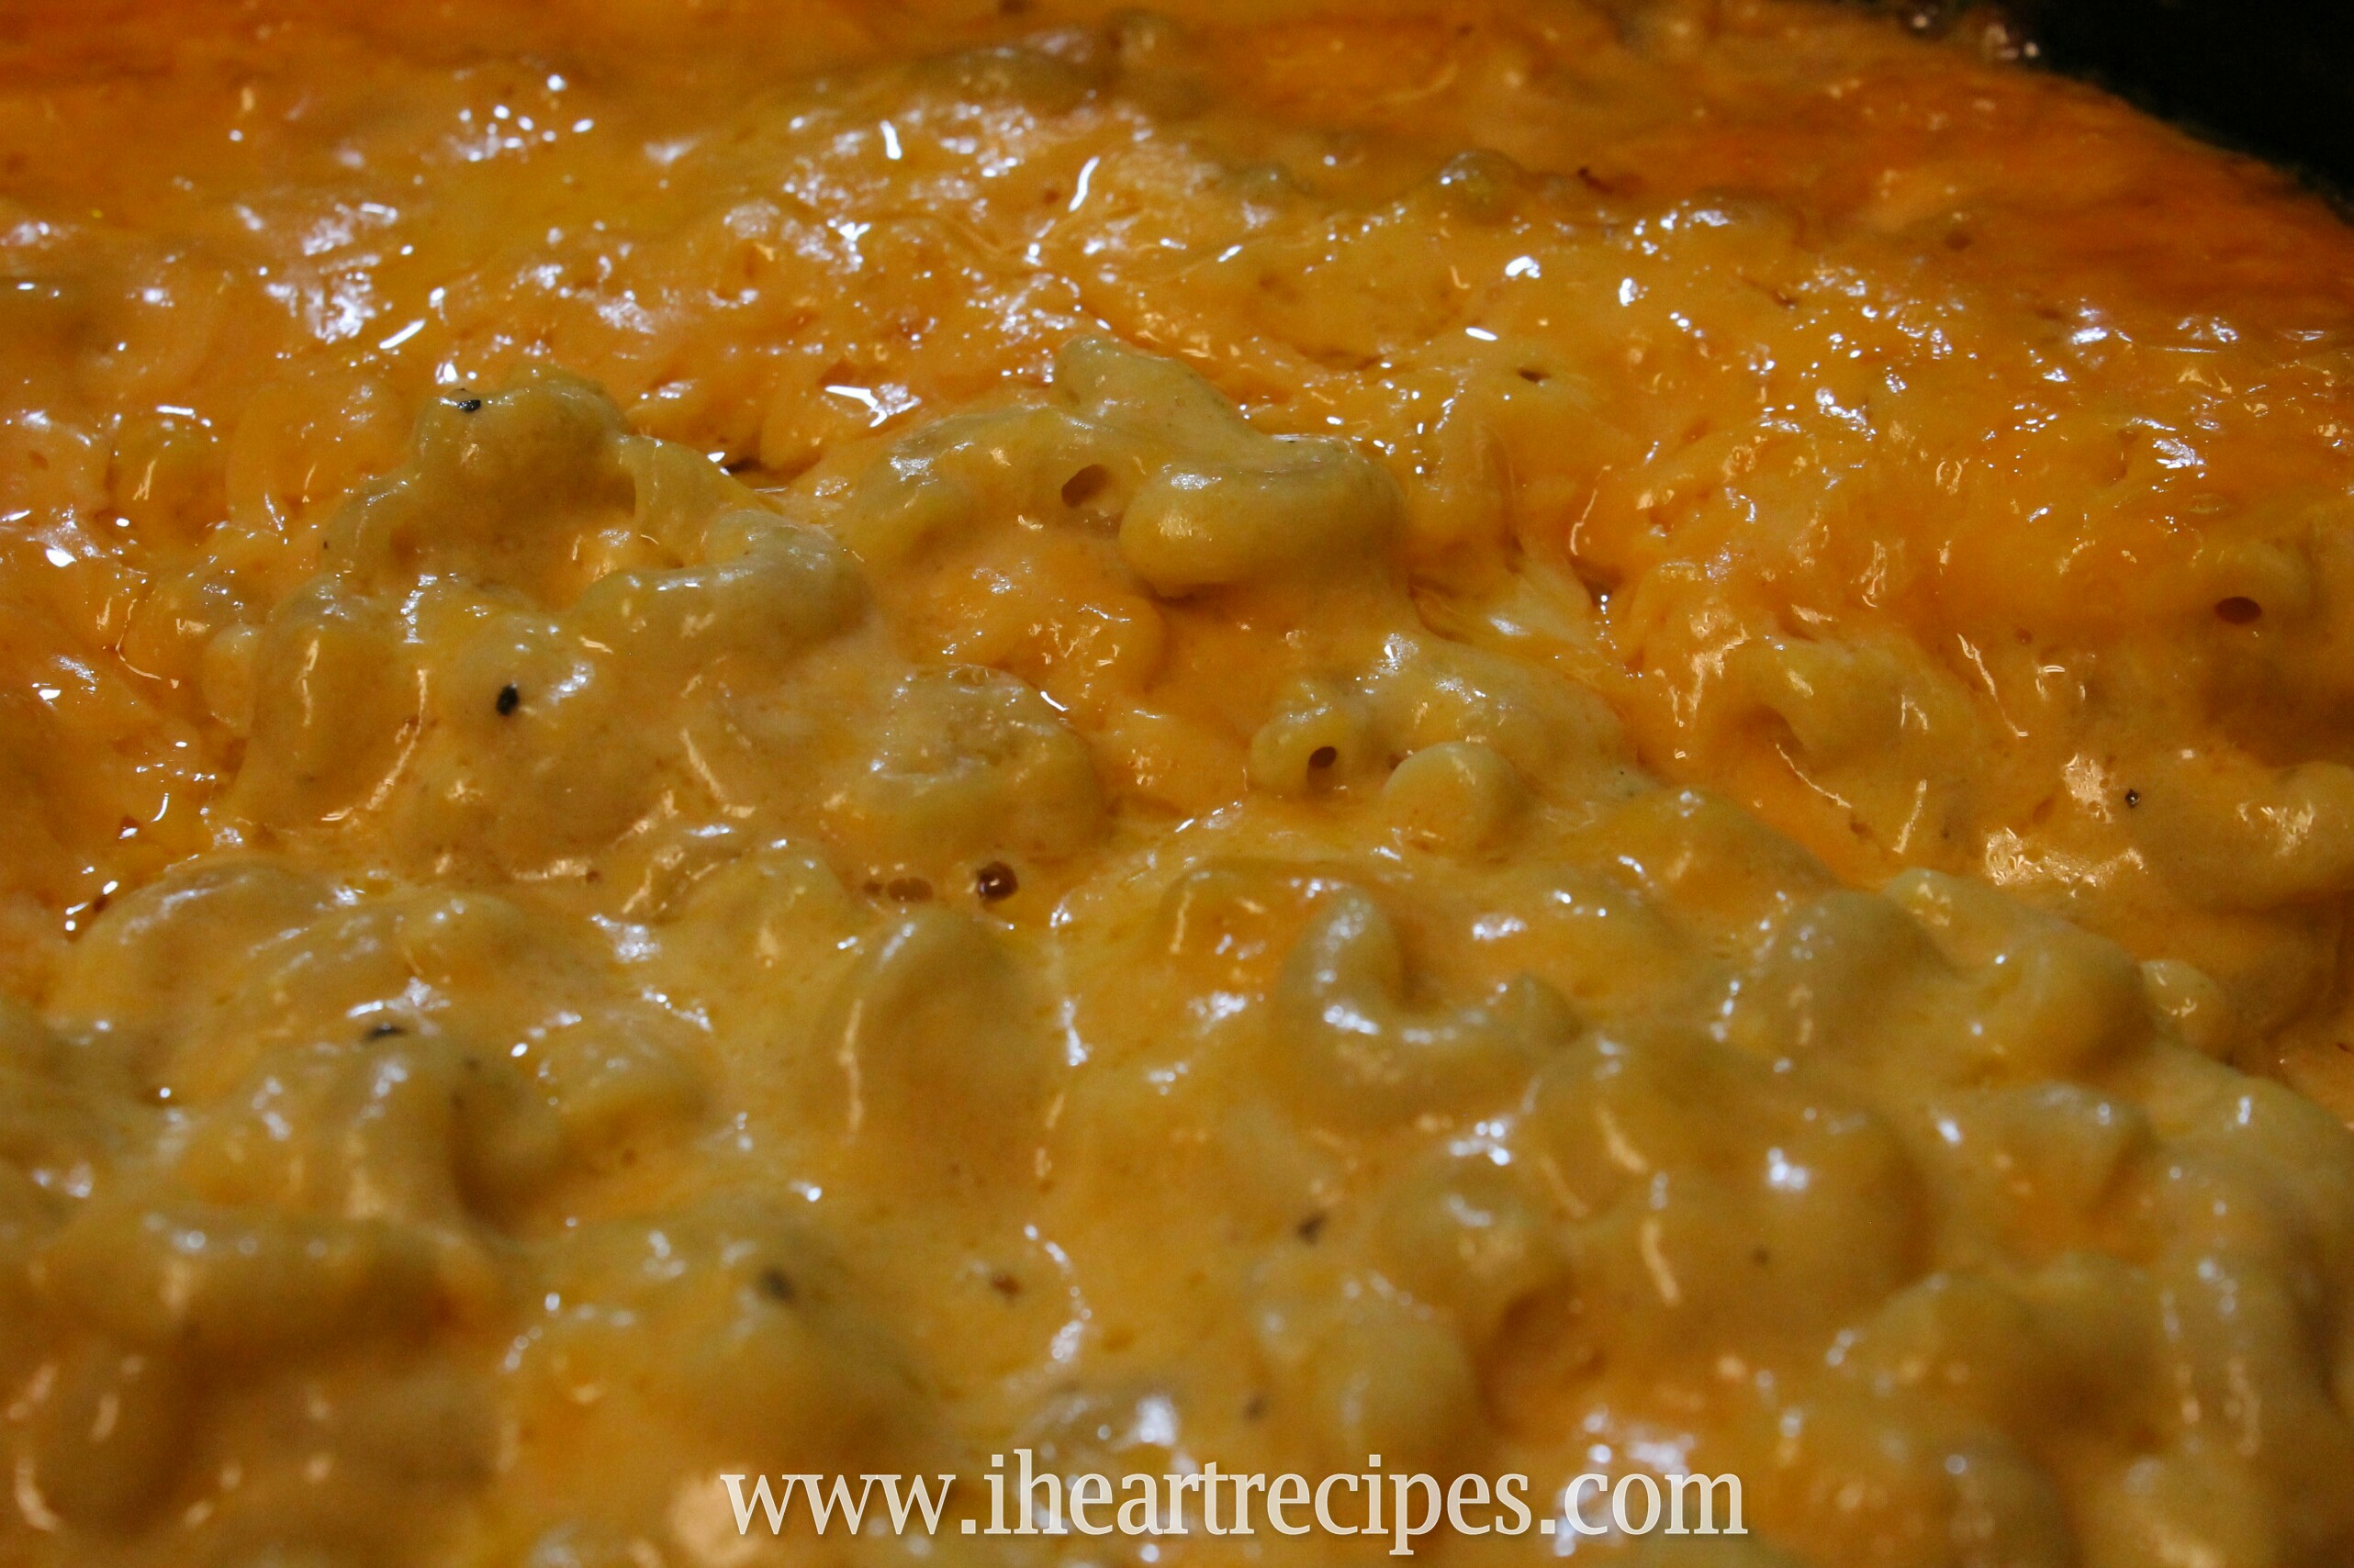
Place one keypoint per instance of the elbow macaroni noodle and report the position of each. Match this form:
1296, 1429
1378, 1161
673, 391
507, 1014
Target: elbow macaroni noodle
811, 740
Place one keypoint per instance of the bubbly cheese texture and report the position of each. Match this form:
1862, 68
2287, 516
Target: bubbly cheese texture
782, 737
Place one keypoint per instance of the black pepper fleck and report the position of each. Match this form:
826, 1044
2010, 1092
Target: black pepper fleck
509, 700
994, 881
468, 405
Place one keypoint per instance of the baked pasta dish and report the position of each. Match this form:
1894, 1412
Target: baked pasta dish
796, 738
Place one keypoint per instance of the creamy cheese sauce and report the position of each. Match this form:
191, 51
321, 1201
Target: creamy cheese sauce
783, 737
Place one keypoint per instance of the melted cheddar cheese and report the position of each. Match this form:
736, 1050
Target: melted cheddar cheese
784, 736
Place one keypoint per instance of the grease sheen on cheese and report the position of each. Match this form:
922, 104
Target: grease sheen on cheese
798, 737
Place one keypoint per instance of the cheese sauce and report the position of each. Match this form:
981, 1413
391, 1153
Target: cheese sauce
816, 738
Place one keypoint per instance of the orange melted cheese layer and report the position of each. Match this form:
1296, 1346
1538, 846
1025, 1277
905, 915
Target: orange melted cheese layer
911, 875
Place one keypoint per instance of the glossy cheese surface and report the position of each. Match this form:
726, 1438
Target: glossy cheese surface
824, 738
